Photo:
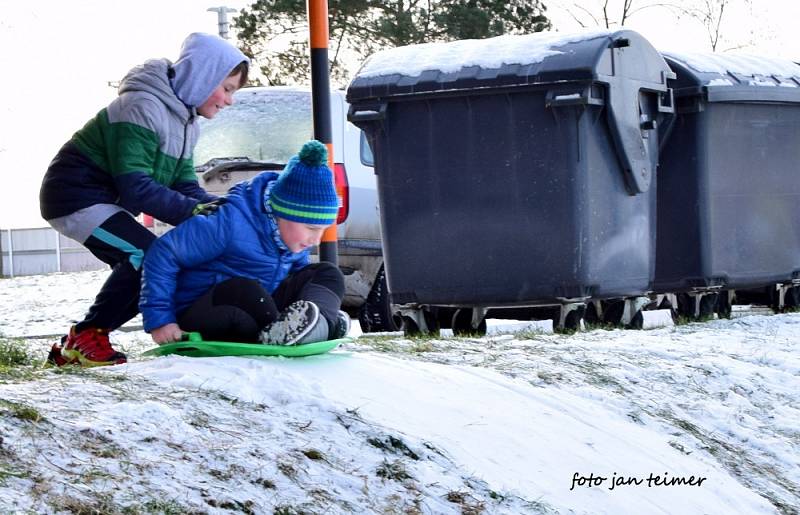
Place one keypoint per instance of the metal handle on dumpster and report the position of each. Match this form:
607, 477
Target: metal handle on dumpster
366, 113
625, 123
666, 113
571, 97
633, 125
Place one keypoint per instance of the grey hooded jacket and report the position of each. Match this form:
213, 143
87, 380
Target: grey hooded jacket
137, 152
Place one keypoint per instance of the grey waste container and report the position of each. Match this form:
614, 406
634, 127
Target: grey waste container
515, 170
729, 183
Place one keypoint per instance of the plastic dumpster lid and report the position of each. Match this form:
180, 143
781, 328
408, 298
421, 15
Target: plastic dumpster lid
571, 64
734, 77
509, 60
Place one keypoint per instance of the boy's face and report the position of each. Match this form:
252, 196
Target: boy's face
299, 236
221, 97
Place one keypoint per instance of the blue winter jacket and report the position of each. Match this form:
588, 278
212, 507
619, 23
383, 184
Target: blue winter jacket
239, 240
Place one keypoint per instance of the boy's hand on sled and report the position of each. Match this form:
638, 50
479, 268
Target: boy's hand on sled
167, 334
208, 207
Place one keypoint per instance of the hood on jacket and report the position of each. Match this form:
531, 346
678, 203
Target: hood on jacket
152, 77
204, 62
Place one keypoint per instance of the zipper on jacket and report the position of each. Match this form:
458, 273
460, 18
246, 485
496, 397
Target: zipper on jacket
183, 146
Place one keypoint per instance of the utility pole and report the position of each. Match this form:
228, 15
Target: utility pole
222, 19
321, 104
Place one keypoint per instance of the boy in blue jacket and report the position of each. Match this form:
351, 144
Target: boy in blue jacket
243, 272
135, 156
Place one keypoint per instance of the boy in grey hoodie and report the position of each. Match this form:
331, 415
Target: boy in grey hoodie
135, 156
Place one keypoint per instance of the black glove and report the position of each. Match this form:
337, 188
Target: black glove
209, 207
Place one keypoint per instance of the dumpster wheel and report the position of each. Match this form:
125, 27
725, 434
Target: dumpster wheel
462, 323
792, 298
418, 322
697, 306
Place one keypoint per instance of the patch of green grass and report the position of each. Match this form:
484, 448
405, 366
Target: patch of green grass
99, 375
393, 445
266, 483
566, 331
550, 377
370, 338
528, 334
600, 326
421, 346
679, 447
686, 320
466, 502
233, 505
16, 362
287, 469
13, 353
395, 471
7, 473
21, 411
70, 370
313, 454
99, 445
199, 419
100, 503
412, 345
167, 507
95, 474
104, 503
18, 374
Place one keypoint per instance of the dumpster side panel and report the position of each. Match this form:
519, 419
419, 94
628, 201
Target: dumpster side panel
495, 199
729, 198
619, 227
476, 200
754, 210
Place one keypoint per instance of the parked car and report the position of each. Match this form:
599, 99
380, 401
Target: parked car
266, 126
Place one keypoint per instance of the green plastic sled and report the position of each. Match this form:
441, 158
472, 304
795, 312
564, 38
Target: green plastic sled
195, 347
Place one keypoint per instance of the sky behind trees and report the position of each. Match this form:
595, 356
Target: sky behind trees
58, 58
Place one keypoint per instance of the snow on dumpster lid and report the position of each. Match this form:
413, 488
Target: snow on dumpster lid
736, 69
413, 60
509, 61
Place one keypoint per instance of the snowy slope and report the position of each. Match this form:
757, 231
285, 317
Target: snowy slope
499, 424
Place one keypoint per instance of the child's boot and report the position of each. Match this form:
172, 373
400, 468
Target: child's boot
91, 348
341, 327
299, 323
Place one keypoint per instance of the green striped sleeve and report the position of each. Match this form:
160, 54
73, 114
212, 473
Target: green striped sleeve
186, 171
126, 147
91, 139
132, 149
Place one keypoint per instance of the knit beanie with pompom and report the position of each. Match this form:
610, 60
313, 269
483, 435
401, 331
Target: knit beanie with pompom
304, 191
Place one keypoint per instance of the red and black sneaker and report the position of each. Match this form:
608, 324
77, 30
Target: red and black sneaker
55, 357
91, 348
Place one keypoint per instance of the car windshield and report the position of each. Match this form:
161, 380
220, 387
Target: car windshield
267, 126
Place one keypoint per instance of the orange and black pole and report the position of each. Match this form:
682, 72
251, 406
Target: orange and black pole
321, 103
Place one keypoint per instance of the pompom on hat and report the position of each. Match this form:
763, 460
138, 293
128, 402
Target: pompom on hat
304, 192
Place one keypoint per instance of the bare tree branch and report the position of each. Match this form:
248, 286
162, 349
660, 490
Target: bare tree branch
587, 11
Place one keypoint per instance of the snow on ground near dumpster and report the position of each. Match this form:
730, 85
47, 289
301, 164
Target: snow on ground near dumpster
489, 53
509, 423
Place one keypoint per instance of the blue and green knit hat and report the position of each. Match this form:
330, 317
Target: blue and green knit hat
304, 192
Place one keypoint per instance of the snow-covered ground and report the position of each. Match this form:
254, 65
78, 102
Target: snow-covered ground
698, 418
